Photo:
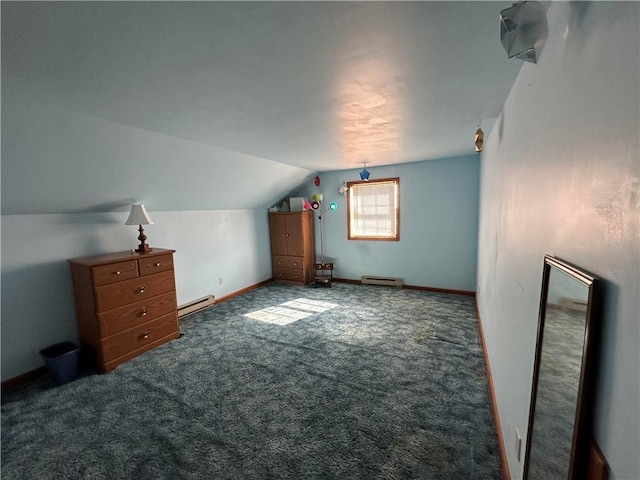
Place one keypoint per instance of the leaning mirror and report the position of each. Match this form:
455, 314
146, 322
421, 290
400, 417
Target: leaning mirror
558, 432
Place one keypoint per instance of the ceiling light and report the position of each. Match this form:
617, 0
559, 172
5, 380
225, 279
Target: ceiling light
364, 174
523, 30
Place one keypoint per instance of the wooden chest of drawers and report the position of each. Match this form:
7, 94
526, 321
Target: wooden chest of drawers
125, 303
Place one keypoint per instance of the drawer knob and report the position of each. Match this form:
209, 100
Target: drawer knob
144, 335
140, 290
142, 313
117, 273
157, 264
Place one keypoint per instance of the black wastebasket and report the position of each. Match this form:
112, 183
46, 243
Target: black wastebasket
61, 360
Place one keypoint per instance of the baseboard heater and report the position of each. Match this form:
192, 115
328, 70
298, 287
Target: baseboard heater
196, 306
372, 280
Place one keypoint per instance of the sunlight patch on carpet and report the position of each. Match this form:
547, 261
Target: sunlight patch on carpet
312, 305
301, 308
278, 315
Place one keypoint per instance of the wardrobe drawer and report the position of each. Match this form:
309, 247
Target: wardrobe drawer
287, 261
119, 294
290, 274
129, 316
139, 337
159, 263
114, 272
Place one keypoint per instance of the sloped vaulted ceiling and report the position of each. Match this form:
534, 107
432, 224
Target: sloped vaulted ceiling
216, 105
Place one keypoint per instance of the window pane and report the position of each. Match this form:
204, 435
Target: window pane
373, 209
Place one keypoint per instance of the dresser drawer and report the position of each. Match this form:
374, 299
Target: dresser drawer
287, 261
118, 319
159, 263
139, 337
290, 274
114, 272
119, 294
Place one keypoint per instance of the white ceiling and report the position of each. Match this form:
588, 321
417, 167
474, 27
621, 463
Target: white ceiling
319, 85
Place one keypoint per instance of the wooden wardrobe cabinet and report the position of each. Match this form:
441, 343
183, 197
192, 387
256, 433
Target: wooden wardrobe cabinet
125, 303
292, 246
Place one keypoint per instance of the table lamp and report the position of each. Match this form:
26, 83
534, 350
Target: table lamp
139, 216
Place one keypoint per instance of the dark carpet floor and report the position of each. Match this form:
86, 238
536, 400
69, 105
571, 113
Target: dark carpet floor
387, 383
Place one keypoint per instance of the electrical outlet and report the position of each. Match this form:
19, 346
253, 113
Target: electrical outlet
220, 280
518, 444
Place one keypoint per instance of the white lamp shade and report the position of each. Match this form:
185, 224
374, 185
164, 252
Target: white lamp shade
138, 216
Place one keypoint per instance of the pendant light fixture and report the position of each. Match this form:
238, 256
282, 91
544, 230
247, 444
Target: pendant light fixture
364, 174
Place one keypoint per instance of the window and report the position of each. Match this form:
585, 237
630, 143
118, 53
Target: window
374, 210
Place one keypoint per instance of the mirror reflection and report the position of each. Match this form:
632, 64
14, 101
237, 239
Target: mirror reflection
556, 417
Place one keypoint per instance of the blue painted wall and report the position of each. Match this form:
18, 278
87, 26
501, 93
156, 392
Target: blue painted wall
438, 225
560, 176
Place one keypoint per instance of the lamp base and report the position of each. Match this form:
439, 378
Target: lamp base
143, 248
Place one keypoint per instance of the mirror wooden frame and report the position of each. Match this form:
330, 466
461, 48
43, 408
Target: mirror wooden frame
581, 422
